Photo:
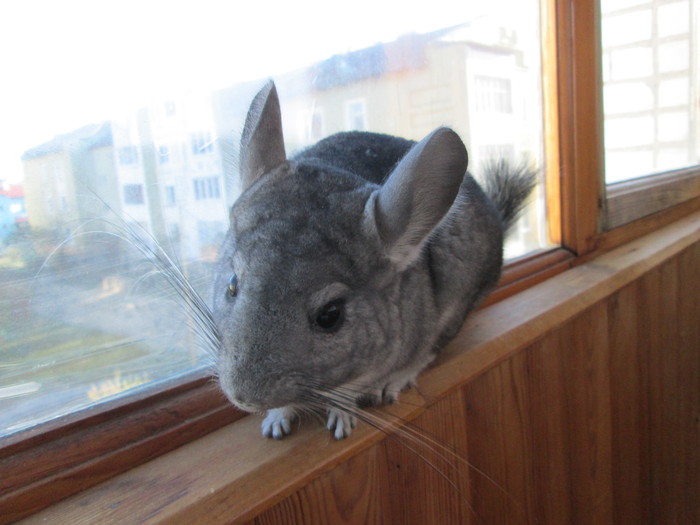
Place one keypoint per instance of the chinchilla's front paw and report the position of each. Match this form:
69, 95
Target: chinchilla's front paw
278, 422
340, 423
391, 391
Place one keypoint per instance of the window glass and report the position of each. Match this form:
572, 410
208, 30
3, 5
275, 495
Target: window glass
651, 86
120, 133
133, 194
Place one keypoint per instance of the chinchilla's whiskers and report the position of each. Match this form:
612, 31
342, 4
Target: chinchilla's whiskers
345, 402
417, 441
411, 440
314, 409
356, 388
193, 302
74, 233
197, 312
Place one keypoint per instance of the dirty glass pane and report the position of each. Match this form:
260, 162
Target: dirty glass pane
120, 129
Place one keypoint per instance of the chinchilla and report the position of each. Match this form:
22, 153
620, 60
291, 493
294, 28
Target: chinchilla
349, 265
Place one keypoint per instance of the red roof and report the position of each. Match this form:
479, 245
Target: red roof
12, 191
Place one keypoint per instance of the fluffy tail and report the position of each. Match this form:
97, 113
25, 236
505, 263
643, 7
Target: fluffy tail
508, 187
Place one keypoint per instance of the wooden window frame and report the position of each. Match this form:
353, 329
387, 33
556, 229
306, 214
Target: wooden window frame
632, 200
54, 460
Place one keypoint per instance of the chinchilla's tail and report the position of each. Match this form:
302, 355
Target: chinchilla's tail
508, 187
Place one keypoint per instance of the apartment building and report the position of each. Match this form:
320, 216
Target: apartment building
69, 179
169, 167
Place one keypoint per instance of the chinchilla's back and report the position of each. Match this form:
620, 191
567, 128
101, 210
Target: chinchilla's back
369, 155
373, 155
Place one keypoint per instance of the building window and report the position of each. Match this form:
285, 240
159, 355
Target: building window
170, 196
312, 128
356, 115
128, 155
133, 194
206, 188
163, 154
493, 94
202, 143
170, 108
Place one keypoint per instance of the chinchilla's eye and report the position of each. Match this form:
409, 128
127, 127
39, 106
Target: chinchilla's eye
331, 316
233, 285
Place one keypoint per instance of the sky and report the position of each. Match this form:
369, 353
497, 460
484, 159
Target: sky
64, 64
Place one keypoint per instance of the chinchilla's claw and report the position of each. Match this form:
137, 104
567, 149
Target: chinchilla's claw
340, 423
278, 422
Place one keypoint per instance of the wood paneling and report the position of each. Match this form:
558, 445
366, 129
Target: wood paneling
629, 366
438, 438
354, 492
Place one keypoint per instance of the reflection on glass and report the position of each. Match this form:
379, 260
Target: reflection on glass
84, 313
651, 86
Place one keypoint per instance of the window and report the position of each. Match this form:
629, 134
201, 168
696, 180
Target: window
312, 125
206, 188
128, 155
213, 188
493, 95
650, 100
202, 143
405, 86
650, 74
99, 337
163, 154
170, 196
133, 194
356, 115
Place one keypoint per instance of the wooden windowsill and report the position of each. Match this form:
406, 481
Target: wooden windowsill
233, 473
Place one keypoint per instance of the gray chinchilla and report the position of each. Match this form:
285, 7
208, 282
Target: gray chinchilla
348, 266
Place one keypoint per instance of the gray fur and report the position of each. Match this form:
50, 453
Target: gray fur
395, 232
262, 146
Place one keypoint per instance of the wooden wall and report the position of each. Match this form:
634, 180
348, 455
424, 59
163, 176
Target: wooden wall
598, 421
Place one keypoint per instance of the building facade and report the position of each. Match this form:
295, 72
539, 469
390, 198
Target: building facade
169, 167
479, 81
70, 179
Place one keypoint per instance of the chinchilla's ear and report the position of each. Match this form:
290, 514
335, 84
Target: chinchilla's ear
417, 194
262, 142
